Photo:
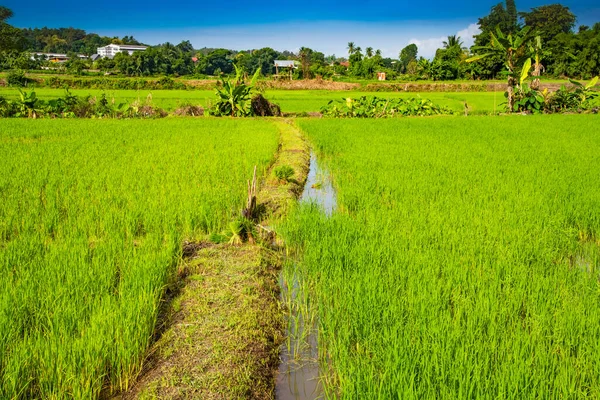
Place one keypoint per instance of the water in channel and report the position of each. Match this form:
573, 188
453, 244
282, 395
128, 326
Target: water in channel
298, 377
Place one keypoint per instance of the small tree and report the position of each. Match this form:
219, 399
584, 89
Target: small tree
408, 54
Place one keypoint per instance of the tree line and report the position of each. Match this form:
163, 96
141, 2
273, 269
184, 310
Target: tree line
566, 52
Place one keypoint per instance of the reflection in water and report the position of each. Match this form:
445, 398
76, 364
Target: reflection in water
319, 188
587, 257
298, 377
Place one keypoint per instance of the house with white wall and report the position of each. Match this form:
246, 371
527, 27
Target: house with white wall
112, 49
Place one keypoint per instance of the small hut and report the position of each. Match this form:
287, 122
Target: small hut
290, 64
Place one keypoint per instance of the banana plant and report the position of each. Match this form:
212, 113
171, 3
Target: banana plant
537, 52
29, 105
513, 47
585, 92
235, 96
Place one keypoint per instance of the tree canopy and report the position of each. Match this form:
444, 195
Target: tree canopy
563, 52
11, 38
408, 54
549, 21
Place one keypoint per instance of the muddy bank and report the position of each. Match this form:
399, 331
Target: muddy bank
307, 84
475, 86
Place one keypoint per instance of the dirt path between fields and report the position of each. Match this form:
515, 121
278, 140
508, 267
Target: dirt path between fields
223, 322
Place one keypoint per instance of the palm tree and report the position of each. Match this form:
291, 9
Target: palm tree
378, 52
351, 48
5, 13
453, 41
357, 50
369, 52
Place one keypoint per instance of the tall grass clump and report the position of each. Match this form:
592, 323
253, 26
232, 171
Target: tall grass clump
463, 259
92, 218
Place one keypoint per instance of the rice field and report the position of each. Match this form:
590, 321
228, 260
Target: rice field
93, 215
463, 259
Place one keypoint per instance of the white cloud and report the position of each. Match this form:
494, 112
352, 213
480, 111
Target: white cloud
467, 34
427, 47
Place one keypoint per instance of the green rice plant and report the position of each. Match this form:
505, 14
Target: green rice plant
241, 230
93, 215
284, 173
462, 261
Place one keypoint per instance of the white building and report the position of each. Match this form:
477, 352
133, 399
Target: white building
112, 49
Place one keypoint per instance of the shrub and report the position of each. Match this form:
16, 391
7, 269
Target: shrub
528, 100
113, 83
375, 107
71, 106
16, 77
6, 107
578, 99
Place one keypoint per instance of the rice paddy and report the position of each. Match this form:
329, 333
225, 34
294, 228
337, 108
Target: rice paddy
93, 215
462, 261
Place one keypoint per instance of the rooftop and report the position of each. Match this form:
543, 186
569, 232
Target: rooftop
285, 63
129, 46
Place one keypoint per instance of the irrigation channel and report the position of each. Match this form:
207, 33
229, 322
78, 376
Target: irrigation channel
298, 377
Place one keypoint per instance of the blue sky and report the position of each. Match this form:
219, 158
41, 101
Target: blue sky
326, 26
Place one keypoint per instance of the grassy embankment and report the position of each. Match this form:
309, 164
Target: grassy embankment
225, 326
93, 215
463, 260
